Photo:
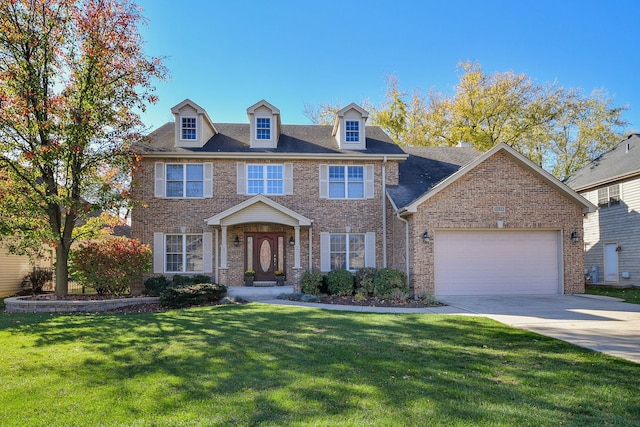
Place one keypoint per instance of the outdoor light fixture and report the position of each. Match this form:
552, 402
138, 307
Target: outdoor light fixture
425, 237
292, 241
575, 237
236, 241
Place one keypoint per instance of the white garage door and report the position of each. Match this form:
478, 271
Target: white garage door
497, 262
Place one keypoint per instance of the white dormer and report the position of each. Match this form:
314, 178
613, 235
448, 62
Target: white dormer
193, 125
264, 121
349, 128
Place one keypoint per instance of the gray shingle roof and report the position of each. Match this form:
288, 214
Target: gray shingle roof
426, 167
302, 139
615, 163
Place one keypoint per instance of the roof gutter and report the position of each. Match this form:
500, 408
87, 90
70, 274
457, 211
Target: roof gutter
283, 156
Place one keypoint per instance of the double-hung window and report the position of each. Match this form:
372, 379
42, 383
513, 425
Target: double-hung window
263, 128
346, 182
183, 253
184, 180
347, 251
609, 196
188, 130
265, 179
352, 131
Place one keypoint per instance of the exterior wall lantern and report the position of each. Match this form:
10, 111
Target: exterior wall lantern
236, 241
425, 237
292, 241
575, 237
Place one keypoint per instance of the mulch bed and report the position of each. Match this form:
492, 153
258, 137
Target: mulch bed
375, 302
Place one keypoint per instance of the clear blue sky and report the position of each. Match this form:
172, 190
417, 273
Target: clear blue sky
227, 55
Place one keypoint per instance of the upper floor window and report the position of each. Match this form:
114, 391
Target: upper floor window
183, 253
352, 129
347, 251
609, 196
185, 180
265, 179
346, 182
263, 128
188, 128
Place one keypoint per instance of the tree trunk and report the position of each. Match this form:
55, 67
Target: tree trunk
62, 270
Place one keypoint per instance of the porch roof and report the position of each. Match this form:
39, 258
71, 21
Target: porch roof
258, 209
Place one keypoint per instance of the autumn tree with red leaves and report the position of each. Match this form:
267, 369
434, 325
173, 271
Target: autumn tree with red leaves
73, 76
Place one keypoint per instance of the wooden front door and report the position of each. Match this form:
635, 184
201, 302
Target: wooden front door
265, 254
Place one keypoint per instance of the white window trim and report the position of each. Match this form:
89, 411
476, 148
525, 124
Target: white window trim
184, 253
609, 198
265, 179
346, 183
184, 180
195, 118
346, 131
325, 249
258, 118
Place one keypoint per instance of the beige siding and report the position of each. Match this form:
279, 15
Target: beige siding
618, 224
12, 270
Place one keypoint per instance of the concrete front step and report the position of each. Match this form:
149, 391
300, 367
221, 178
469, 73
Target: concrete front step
261, 293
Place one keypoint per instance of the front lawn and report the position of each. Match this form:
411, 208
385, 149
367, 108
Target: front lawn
631, 295
267, 365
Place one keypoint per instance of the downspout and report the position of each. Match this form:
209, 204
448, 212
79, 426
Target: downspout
384, 212
406, 246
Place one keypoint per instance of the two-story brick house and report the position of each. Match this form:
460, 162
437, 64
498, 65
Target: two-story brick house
221, 198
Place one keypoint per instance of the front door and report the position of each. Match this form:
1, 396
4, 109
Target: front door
611, 262
265, 254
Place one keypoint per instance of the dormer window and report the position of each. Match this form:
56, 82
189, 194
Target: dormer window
352, 131
188, 130
263, 128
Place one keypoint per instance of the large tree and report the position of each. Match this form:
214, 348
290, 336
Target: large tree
560, 129
73, 76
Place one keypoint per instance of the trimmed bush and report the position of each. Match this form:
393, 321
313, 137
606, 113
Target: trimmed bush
155, 285
35, 280
364, 281
185, 296
387, 280
112, 266
179, 280
340, 282
311, 282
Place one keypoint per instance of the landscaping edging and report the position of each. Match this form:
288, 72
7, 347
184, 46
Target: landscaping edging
27, 305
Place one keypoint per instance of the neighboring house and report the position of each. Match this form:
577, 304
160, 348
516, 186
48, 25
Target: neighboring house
13, 268
223, 198
612, 234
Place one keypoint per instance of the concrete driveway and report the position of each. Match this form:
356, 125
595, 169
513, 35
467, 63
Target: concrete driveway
599, 323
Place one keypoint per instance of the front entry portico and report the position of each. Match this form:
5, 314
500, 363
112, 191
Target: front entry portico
260, 235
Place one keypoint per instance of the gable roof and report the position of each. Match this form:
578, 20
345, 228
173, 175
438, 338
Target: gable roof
227, 217
424, 168
233, 140
622, 161
547, 177
176, 110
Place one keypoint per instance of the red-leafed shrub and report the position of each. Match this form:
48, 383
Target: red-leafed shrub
111, 266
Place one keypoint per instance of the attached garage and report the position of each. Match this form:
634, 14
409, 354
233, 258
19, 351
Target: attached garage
497, 262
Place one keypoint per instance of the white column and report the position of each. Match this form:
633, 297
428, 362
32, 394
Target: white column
216, 256
223, 248
296, 248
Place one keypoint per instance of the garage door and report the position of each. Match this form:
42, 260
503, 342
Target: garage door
497, 262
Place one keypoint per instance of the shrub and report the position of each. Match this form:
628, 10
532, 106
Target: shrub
364, 281
185, 296
340, 282
155, 285
36, 279
111, 266
387, 280
311, 283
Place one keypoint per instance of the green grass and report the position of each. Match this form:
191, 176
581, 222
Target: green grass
267, 365
631, 295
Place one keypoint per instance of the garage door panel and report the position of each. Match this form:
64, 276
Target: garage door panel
502, 262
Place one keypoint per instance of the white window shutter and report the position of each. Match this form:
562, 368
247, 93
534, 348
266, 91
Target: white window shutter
240, 173
325, 256
324, 182
370, 249
207, 252
207, 170
368, 178
288, 178
158, 252
159, 181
